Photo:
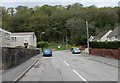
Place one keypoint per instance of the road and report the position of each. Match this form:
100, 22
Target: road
64, 66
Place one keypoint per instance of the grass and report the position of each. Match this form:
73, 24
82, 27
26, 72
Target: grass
60, 49
62, 46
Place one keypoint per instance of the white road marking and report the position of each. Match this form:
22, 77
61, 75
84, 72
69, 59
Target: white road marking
46, 57
80, 75
66, 63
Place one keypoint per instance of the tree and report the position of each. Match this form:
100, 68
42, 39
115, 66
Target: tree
42, 44
11, 10
77, 28
59, 22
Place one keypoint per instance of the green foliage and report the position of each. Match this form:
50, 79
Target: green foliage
62, 46
105, 45
42, 44
60, 21
19, 47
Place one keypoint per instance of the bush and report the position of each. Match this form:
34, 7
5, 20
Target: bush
105, 45
19, 47
43, 44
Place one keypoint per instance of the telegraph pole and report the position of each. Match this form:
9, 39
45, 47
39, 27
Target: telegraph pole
87, 35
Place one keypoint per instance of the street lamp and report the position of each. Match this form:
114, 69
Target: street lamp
87, 35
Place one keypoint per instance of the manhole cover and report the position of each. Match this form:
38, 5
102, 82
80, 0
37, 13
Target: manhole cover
82, 63
36, 66
74, 60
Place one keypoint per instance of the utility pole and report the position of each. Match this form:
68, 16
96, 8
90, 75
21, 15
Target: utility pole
87, 36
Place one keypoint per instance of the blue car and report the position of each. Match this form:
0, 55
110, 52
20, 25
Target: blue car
47, 52
76, 51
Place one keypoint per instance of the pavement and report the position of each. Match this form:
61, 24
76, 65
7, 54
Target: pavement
0, 76
13, 73
105, 60
64, 66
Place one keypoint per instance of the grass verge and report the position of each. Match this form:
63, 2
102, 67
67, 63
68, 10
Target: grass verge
62, 46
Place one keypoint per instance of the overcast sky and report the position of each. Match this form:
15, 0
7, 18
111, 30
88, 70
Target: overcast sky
33, 3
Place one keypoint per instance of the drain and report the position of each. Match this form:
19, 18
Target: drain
74, 60
36, 66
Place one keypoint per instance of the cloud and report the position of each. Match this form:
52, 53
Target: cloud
119, 3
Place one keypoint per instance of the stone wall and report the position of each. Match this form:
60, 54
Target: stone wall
15, 56
114, 53
0, 57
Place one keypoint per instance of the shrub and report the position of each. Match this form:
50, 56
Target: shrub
42, 44
105, 45
19, 47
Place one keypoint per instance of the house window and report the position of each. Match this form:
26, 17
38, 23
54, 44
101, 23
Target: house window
110, 38
6, 35
116, 36
8, 45
26, 39
13, 39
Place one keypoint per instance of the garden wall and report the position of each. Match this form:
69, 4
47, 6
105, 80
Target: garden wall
15, 56
115, 53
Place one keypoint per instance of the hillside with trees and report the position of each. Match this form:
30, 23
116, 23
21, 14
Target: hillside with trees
59, 22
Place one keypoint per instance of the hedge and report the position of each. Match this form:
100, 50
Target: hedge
105, 45
42, 44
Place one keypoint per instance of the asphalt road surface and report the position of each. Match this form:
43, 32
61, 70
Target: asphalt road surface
64, 66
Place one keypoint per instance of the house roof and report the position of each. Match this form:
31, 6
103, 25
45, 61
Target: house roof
100, 35
23, 33
116, 31
3, 30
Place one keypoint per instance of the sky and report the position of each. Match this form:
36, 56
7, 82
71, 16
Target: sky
33, 3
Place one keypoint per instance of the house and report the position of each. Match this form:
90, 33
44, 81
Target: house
115, 35
102, 36
4, 38
24, 39
91, 38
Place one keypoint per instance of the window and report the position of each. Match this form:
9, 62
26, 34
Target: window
110, 38
26, 39
116, 36
13, 39
7, 36
8, 45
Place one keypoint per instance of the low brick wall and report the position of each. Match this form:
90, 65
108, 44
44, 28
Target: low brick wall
15, 56
114, 53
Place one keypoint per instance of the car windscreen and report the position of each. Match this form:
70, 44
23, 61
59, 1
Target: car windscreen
47, 50
76, 50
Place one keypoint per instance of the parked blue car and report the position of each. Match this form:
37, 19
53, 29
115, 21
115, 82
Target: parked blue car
76, 51
47, 52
